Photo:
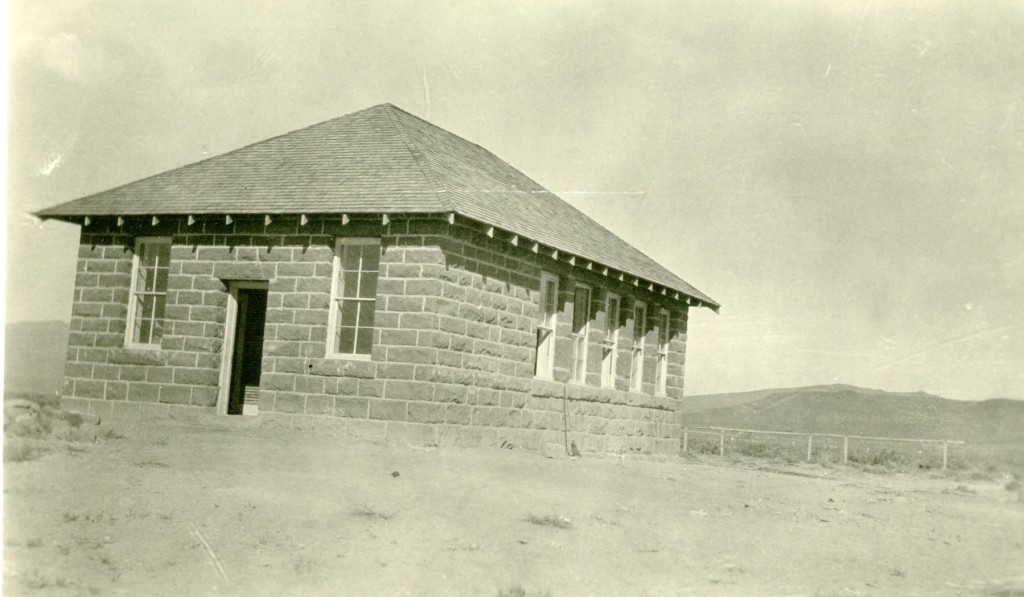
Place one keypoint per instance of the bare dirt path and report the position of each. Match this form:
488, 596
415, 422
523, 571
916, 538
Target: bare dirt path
172, 510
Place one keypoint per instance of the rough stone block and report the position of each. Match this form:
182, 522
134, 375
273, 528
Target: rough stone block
276, 348
391, 410
405, 303
116, 390
402, 270
341, 386
371, 387
313, 285
171, 394
412, 354
402, 371
459, 414
204, 396
426, 412
287, 402
318, 404
309, 384
161, 375
143, 392
433, 339
277, 381
490, 416
198, 377
408, 390
297, 269
355, 408
398, 337
418, 321
293, 333
430, 288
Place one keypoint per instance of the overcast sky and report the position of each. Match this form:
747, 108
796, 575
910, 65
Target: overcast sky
847, 179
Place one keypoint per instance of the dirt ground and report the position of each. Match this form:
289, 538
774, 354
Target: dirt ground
171, 509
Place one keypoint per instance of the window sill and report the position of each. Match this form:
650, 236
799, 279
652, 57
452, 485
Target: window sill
141, 347
348, 357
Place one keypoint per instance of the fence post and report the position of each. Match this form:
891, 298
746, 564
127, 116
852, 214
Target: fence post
721, 442
686, 437
809, 436
846, 448
945, 454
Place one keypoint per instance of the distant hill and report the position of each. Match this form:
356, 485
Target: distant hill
843, 409
693, 404
34, 355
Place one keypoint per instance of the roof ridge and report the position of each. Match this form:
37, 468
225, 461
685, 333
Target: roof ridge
469, 142
428, 174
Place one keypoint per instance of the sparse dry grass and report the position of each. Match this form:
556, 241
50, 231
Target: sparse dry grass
558, 522
517, 590
370, 513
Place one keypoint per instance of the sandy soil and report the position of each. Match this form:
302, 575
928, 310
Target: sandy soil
173, 510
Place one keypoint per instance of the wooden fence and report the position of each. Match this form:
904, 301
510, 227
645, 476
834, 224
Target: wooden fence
721, 433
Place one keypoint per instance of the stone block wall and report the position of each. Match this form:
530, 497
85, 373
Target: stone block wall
454, 335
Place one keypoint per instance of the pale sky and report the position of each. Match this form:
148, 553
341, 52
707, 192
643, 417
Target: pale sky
846, 178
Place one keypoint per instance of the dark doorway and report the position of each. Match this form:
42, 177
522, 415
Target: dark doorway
247, 360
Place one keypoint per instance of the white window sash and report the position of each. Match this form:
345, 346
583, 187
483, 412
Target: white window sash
546, 325
336, 299
664, 336
609, 360
581, 338
134, 294
636, 382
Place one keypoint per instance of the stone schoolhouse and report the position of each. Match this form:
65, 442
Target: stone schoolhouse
379, 276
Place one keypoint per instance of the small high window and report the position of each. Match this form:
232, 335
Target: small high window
580, 332
353, 297
663, 337
636, 378
546, 322
610, 353
148, 292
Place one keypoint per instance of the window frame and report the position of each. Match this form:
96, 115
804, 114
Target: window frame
581, 340
335, 300
544, 367
129, 328
664, 337
636, 369
610, 345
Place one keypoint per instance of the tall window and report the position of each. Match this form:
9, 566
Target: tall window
580, 332
546, 325
353, 296
610, 353
636, 378
148, 292
663, 337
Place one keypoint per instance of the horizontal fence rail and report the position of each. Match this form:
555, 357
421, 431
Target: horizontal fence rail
721, 432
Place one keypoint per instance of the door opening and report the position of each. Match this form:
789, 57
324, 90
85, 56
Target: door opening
244, 348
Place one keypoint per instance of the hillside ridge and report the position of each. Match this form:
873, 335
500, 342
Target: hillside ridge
844, 409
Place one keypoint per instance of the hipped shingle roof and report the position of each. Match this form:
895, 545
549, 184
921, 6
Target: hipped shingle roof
378, 160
